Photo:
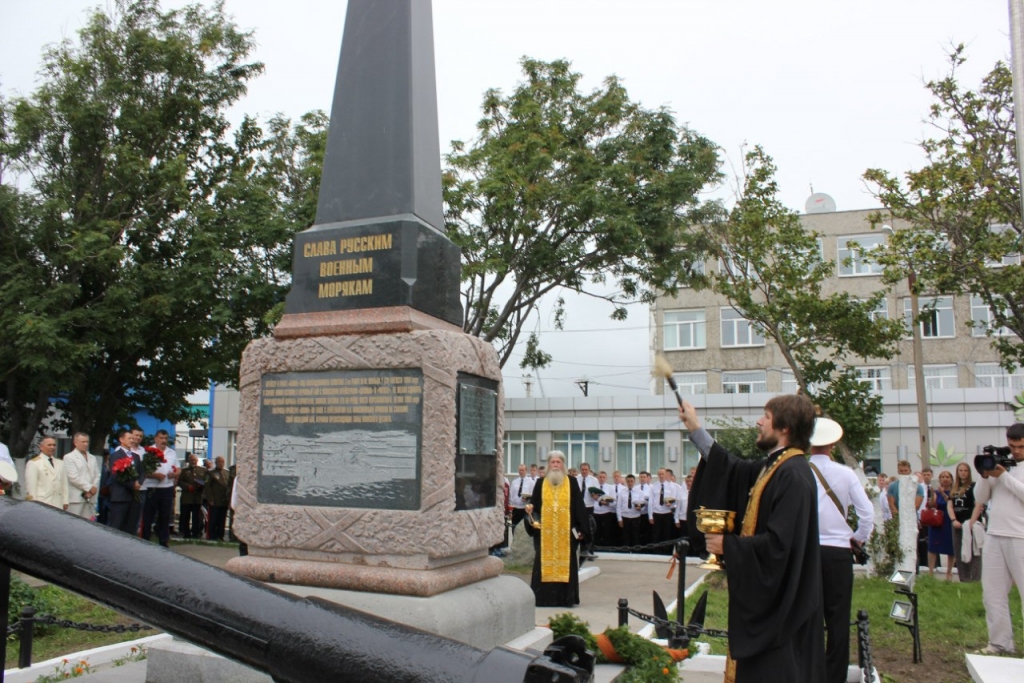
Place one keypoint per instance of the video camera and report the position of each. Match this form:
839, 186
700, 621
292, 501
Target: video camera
991, 456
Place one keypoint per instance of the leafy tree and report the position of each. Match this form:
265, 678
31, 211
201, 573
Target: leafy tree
963, 206
566, 189
773, 275
147, 244
736, 436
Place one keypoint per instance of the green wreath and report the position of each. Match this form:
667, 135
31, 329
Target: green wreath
647, 662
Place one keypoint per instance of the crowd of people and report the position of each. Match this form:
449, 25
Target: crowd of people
627, 512
945, 538
133, 488
789, 562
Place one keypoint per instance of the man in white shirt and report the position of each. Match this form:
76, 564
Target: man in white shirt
838, 489
587, 481
519, 487
45, 480
1003, 555
679, 508
661, 511
83, 473
159, 507
630, 511
604, 512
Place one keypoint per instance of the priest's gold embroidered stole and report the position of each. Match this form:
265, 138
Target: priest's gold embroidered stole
750, 524
555, 545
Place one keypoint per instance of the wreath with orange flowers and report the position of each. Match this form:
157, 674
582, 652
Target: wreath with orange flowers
648, 662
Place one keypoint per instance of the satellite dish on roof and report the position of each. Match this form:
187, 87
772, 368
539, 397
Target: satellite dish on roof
819, 202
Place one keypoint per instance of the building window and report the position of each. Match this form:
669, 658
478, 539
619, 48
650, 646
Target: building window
737, 330
936, 316
993, 375
788, 382
690, 459
232, 447
639, 452
879, 312
749, 382
855, 255
873, 454
579, 447
981, 319
936, 377
1012, 259
685, 330
877, 379
690, 383
520, 449
738, 268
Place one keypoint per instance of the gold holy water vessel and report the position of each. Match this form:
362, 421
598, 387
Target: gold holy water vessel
714, 522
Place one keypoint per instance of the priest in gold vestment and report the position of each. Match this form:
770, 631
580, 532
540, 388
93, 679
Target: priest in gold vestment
557, 507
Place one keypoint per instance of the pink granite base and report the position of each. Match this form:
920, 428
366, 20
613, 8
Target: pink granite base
415, 552
391, 580
362, 321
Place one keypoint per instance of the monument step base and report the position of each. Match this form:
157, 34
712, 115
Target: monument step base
485, 615
364, 577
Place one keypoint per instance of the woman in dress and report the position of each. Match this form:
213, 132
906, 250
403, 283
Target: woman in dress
959, 509
940, 538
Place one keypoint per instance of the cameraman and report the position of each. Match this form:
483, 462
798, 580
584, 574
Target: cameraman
1003, 554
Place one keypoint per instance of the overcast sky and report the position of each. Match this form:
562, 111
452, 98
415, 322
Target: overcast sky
828, 88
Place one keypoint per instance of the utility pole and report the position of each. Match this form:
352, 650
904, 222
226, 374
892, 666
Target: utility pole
528, 383
1017, 68
583, 384
922, 397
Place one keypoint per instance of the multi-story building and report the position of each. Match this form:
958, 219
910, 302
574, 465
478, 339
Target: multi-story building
715, 350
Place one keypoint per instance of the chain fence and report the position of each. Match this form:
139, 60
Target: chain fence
24, 628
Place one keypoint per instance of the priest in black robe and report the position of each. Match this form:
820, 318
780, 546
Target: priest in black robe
557, 506
776, 619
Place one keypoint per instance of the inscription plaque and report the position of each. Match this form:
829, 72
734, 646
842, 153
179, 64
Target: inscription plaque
477, 419
343, 438
476, 461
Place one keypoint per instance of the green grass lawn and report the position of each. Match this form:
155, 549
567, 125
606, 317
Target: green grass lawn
53, 641
952, 623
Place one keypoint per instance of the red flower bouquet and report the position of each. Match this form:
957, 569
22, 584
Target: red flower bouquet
126, 474
152, 459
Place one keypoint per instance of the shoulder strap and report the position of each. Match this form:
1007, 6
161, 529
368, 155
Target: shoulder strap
828, 489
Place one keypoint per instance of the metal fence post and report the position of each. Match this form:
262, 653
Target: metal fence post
28, 627
681, 548
623, 611
864, 647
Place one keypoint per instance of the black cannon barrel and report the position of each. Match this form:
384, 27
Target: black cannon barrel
294, 639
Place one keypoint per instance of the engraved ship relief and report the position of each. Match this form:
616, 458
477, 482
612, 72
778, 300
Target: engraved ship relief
340, 459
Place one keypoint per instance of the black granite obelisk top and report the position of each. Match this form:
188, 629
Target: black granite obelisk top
378, 239
383, 155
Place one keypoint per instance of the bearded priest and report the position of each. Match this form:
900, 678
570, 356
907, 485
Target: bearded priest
558, 526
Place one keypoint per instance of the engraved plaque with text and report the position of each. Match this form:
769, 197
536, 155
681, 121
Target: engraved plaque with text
343, 438
476, 461
478, 408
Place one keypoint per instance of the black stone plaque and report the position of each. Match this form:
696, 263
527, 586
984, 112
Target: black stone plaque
393, 263
477, 419
343, 438
476, 462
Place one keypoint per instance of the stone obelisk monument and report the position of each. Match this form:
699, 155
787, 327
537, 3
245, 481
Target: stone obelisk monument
369, 443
